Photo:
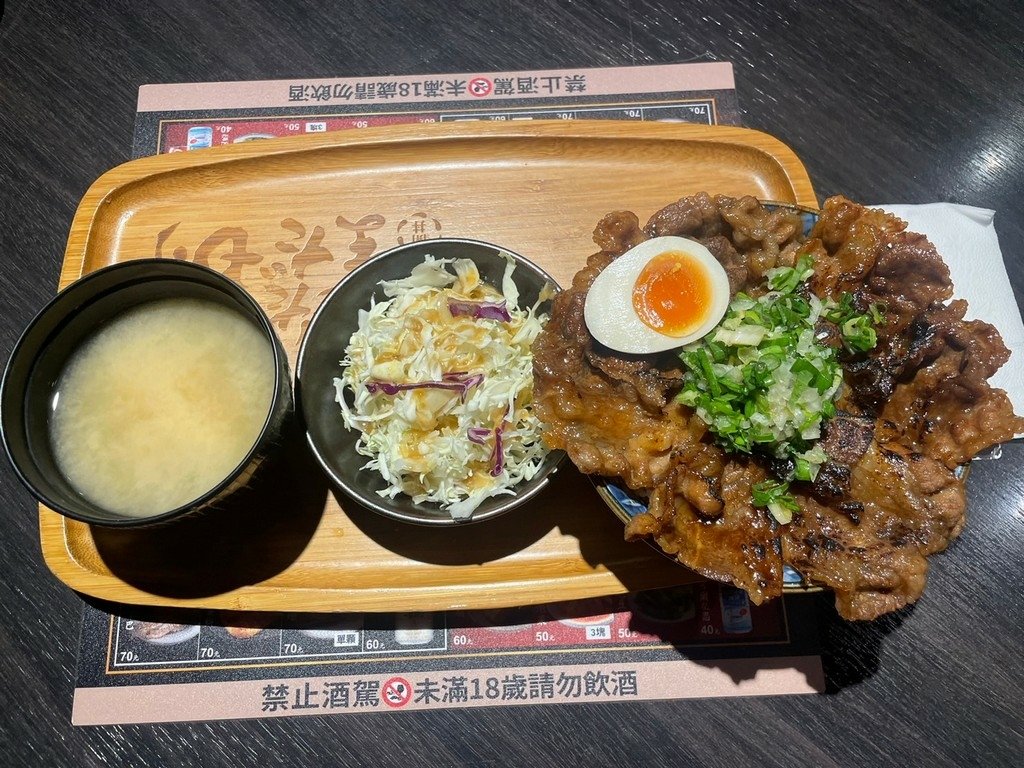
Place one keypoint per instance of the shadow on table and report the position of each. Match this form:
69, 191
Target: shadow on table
256, 534
467, 544
850, 651
570, 504
221, 624
269, 526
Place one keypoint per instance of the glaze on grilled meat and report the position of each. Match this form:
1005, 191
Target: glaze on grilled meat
913, 409
847, 436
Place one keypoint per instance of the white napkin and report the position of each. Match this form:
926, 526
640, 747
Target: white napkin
966, 239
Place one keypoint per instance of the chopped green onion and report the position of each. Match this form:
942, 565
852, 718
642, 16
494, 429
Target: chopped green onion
763, 383
776, 497
859, 334
786, 279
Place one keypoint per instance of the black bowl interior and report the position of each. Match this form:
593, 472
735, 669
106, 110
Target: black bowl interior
40, 355
320, 363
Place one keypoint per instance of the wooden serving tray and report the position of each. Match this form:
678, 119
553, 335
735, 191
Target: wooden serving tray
288, 218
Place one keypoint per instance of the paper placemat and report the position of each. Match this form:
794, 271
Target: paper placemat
693, 641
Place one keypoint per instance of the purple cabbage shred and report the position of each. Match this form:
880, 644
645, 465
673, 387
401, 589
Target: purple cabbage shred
487, 310
479, 436
460, 382
499, 453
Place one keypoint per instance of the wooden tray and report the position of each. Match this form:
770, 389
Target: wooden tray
287, 218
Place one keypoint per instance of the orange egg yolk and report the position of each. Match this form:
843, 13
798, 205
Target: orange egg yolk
672, 294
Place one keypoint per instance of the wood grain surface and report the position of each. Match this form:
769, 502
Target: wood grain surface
911, 102
527, 187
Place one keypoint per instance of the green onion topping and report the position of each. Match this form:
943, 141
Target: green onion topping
764, 383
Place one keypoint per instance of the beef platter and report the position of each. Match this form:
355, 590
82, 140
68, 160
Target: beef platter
908, 414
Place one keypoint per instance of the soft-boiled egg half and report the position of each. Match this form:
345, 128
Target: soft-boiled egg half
659, 295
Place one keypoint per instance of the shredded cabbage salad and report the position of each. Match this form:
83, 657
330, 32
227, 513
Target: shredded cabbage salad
441, 381
764, 382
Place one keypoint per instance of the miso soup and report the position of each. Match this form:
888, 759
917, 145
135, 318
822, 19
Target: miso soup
161, 404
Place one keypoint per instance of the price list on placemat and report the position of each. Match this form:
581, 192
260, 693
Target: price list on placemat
689, 641
148, 665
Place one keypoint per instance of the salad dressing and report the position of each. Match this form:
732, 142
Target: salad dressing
434, 373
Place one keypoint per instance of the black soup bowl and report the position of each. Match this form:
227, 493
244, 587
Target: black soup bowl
323, 348
68, 321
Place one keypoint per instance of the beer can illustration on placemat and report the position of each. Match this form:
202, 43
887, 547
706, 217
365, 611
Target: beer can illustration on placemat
199, 137
736, 618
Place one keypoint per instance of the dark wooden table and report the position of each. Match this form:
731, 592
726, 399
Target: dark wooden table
919, 104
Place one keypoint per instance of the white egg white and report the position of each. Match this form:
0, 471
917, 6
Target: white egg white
609, 313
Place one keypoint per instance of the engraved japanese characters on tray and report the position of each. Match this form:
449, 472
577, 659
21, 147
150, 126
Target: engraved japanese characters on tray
282, 270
